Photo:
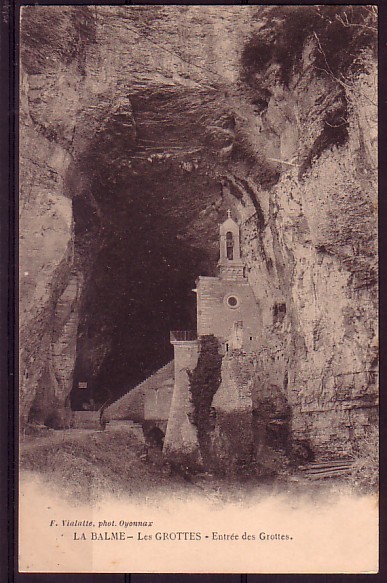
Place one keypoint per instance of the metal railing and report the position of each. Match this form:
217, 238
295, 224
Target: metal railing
183, 335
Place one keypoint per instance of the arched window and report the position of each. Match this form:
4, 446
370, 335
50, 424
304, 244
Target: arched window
229, 245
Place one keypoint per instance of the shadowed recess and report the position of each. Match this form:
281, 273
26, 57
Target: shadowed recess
141, 280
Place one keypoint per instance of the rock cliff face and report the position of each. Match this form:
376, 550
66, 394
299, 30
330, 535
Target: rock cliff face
140, 126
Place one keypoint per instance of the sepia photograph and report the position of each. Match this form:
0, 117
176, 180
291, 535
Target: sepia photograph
198, 292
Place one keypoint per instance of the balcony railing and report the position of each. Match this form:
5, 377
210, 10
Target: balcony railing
183, 335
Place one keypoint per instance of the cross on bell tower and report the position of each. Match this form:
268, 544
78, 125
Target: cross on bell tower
230, 262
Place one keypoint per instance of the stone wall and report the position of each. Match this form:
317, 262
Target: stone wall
181, 437
86, 420
158, 402
214, 316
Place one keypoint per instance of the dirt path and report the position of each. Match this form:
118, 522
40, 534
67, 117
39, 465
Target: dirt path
29, 442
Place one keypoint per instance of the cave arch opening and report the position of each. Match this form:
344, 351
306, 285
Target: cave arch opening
141, 253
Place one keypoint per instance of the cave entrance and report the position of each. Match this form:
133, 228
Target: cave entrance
138, 245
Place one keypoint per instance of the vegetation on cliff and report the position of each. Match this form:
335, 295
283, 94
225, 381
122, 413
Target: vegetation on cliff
339, 35
332, 44
204, 381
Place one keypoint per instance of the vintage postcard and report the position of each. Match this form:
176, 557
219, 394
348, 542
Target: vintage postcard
198, 289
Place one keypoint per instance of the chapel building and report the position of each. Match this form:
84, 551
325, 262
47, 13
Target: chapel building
226, 306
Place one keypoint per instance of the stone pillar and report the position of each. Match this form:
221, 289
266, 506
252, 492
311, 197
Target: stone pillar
181, 440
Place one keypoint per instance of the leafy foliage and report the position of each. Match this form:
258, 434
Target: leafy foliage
341, 32
204, 381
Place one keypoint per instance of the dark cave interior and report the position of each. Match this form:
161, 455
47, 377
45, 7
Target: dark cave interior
146, 226
148, 250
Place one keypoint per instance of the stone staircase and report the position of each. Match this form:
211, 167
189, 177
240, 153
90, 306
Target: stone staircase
327, 469
137, 394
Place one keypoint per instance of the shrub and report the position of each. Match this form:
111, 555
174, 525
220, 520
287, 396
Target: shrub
204, 381
342, 32
232, 444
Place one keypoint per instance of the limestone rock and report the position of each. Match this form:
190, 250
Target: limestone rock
140, 126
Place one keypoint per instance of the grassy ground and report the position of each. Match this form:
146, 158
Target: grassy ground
86, 465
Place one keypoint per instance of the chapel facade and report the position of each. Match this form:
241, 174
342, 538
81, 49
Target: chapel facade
226, 308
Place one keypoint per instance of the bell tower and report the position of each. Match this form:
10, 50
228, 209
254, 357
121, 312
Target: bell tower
226, 305
230, 262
